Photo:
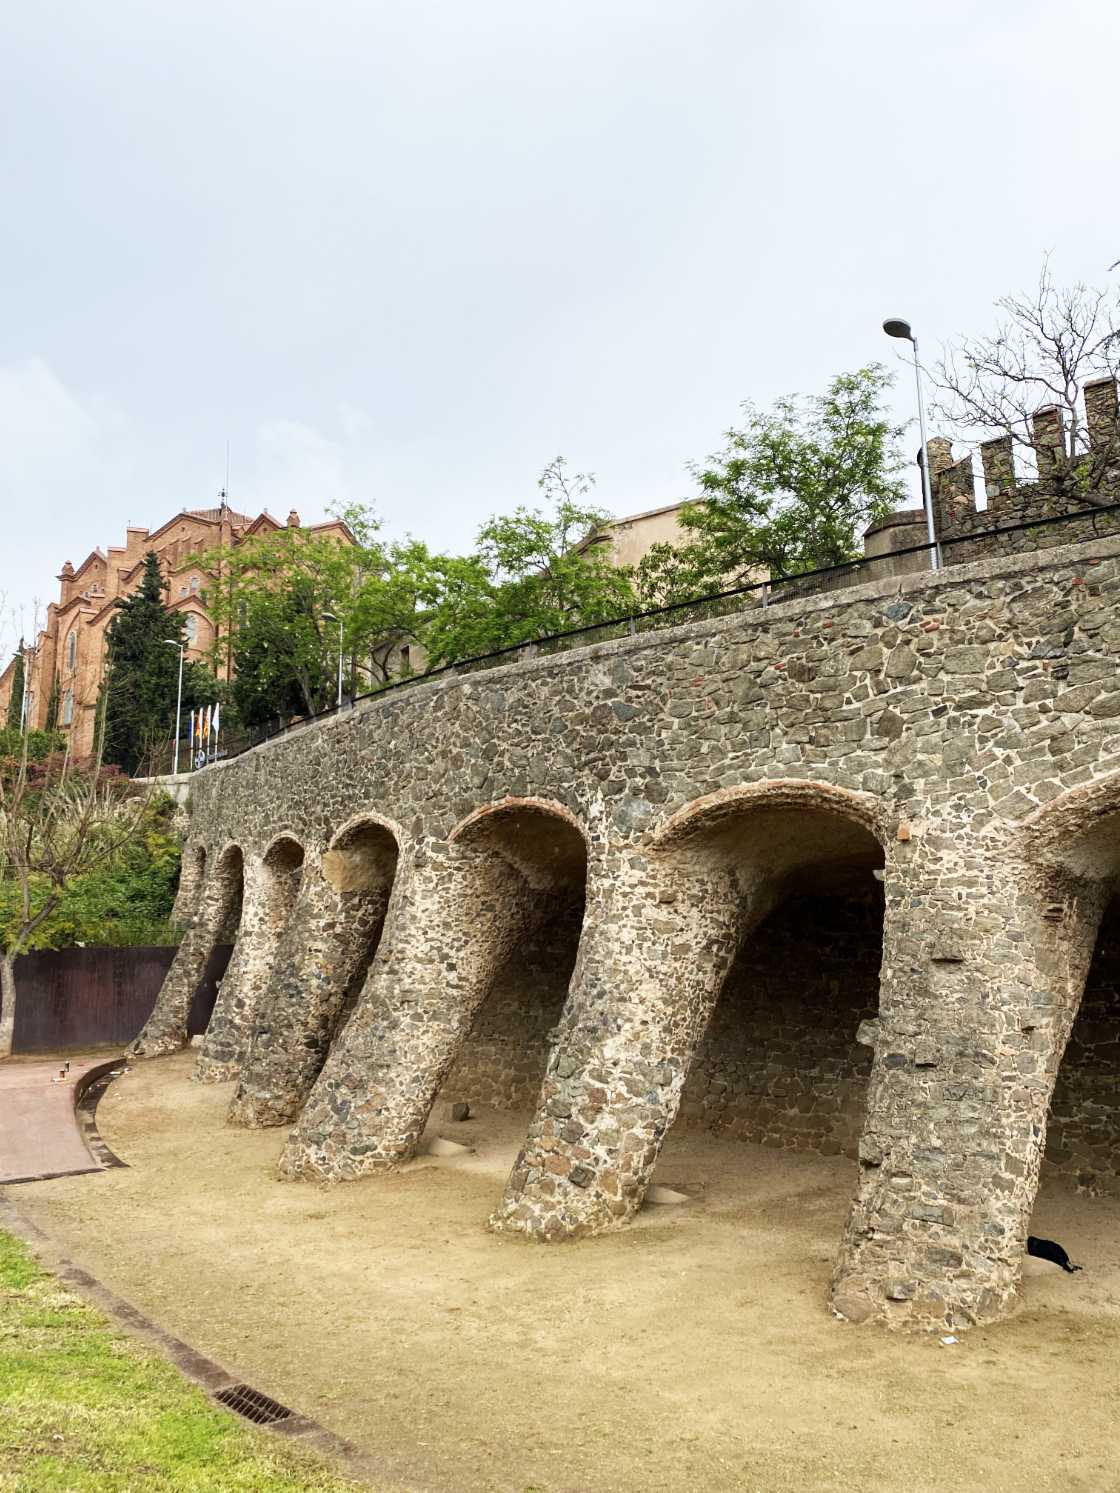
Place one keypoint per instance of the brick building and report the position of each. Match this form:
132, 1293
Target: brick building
71, 646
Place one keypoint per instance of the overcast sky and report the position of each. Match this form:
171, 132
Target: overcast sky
407, 253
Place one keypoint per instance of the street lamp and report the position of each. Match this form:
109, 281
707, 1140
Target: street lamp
330, 617
175, 643
894, 326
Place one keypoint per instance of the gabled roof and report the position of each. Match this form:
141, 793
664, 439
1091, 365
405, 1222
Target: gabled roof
93, 555
263, 520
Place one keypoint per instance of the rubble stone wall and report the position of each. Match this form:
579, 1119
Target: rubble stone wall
1084, 1134
779, 1063
958, 731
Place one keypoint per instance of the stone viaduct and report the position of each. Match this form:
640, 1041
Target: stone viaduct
832, 874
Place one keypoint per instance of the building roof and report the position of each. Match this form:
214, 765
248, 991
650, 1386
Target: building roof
214, 515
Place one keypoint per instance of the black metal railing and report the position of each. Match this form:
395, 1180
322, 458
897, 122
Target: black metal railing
1030, 535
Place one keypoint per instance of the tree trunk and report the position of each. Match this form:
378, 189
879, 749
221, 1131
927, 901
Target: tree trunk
7, 1004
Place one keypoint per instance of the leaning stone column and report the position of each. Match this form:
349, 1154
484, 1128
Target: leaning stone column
270, 892
453, 926
657, 944
336, 921
978, 997
166, 1028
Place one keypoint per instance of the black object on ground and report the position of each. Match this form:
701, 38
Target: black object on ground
1046, 1249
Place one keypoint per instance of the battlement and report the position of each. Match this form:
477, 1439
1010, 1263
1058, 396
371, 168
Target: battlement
1013, 497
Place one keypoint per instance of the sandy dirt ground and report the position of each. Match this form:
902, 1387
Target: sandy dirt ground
693, 1351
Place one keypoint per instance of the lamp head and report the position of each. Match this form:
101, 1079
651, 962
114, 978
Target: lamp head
894, 326
173, 642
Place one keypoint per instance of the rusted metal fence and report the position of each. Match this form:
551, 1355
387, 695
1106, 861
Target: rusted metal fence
78, 998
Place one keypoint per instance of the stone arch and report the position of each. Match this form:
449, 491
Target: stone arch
502, 1061
716, 808
192, 876
542, 839
362, 851
216, 921
320, 968
467, 903
778, 1061
674, 915
1077, 834
284, 851
1071, 882
224, 888
271, 886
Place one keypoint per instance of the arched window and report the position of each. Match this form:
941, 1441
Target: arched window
68, 707
194, 584
72, 650
191, 627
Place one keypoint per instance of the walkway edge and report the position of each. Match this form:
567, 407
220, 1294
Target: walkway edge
192, 1364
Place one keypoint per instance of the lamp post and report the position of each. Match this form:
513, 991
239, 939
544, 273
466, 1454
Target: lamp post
175, 643
330, 617
894, 326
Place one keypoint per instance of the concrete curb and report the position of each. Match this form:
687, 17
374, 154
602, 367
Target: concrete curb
193, 1365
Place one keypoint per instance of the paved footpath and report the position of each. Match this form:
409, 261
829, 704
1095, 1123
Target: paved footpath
39, 1134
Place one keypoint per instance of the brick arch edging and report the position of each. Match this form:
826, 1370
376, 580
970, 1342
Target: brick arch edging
805, 793
363, 817
281, 835
1054, 836
485, 812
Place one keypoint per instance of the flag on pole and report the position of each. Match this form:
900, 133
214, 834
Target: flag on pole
206, 725
217, 718
190, 733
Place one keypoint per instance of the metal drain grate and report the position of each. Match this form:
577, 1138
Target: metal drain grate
254, 1406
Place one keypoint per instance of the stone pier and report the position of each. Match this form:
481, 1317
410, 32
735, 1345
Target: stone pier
324, 951
271, 886
214, 916
458, 917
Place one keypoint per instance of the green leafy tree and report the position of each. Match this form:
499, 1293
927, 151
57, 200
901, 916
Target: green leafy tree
60, 821
278, 599
15, 700
38, 745
126, 900
534, 573
791, 491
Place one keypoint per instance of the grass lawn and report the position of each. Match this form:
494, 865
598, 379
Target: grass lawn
83, 1407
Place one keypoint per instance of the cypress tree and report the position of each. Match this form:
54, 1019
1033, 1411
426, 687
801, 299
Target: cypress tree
141, 673
15, 701
53, 702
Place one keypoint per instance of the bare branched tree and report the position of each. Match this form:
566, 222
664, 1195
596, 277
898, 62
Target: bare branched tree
1023, 382
59, 819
